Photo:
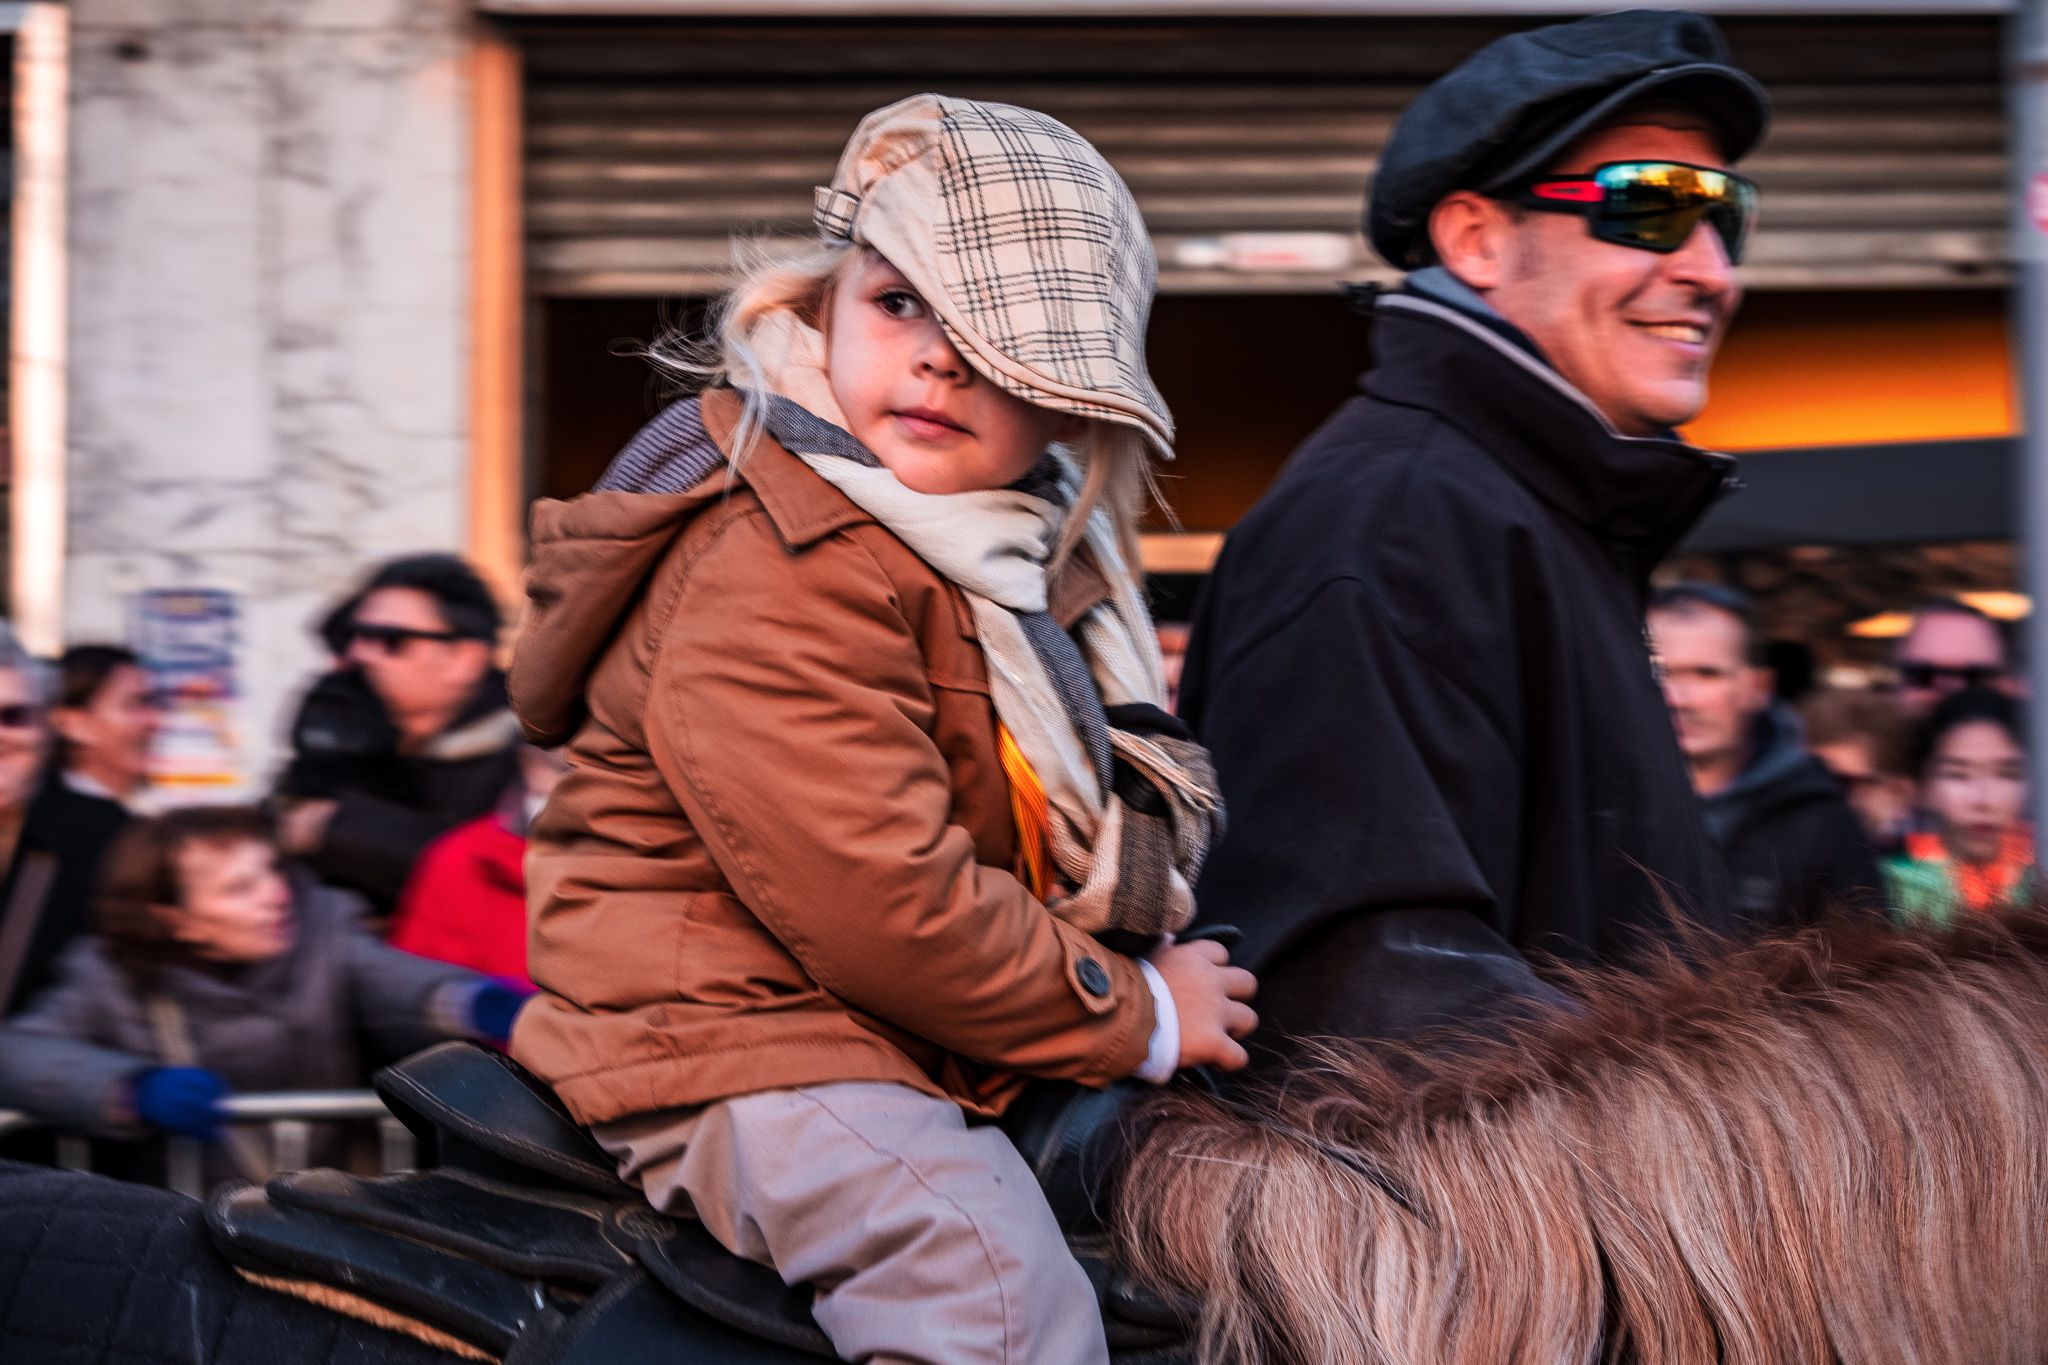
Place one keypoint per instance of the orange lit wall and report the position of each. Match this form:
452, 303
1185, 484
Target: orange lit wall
1842, 369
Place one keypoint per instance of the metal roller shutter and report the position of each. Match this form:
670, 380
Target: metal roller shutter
648, 147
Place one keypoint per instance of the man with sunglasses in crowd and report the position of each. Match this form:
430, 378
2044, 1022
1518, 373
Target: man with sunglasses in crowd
1420, 662
1950, 646
409, 737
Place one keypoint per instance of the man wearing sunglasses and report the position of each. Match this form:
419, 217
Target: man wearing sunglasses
1420, 661
410, 737
1950, 646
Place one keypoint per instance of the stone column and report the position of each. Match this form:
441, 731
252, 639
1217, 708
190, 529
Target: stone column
268, 241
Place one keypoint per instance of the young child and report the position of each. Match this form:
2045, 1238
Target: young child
1971, 761
871, 787
214, 970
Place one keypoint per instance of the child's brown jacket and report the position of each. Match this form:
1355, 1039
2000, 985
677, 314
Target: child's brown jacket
783, 854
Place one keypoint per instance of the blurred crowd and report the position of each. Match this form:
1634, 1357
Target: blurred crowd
1910, 801
155, 960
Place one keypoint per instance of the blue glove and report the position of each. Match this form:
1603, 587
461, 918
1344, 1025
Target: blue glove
494, 1007
181, 1099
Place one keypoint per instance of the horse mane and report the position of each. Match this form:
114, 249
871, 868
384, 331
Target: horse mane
1830, 1146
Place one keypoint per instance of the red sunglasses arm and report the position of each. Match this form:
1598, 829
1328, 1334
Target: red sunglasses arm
1569, 191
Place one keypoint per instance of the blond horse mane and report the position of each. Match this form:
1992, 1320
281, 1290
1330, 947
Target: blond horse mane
1825, 1148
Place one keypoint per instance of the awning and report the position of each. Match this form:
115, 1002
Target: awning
1911, 492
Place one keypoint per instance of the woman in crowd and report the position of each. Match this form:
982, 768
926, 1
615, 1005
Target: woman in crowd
216, 971
1970, 759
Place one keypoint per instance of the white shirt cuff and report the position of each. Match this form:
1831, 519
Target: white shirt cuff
1162, 1054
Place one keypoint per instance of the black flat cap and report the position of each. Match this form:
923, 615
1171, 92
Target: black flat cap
1504, 112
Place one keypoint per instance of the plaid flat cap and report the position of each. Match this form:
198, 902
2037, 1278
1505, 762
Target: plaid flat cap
1028, 247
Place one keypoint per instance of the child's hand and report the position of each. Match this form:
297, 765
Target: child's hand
1209, 993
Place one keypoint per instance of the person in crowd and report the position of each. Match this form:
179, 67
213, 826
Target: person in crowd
1794, 849
1950, 646
1971, 761
874, 801
214, 971
106, 716
1420, 661
466, 901
1864, 741
410, 738
52, 836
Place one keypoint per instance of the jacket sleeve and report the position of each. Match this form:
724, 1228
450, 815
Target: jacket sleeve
789, 712
53, 1063
374, 844
1360, 778
404, 1002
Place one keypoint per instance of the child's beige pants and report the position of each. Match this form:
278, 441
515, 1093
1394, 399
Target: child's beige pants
927, 1241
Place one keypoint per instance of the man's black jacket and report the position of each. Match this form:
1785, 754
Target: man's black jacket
1421, 666
389, 805
1794, 850
53, 879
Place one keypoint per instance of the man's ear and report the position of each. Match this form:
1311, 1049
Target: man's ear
1470, 234
1760, 685
67, 723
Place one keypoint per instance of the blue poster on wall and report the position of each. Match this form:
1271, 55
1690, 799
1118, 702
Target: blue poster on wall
189, 641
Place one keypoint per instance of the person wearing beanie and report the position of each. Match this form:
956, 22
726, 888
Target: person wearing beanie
874, 808
1420, 662
408, 737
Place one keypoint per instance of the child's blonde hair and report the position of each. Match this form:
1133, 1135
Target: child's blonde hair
1116, 473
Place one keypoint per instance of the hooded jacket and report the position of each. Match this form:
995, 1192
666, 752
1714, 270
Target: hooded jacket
1421, 667
783, 852
1794, 850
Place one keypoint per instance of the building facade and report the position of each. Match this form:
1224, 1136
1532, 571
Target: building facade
343, 279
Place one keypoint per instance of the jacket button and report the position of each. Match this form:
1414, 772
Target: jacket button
1094, 977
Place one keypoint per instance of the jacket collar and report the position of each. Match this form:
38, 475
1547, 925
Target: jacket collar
1644, 493
803, 508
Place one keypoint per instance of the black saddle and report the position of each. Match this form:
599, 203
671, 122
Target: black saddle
520, 1243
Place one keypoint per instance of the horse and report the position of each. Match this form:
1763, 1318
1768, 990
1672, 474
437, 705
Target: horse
1830, 1146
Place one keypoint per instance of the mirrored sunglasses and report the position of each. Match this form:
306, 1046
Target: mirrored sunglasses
1651, 205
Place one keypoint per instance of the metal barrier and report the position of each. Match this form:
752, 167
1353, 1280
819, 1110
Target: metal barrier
289, 1115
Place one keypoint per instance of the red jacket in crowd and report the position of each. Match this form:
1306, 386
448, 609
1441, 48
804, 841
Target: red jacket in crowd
466, 900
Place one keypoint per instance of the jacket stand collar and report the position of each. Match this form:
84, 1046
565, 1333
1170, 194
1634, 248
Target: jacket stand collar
1642, 493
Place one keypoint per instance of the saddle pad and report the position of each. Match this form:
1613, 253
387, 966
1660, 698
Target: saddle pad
532, 1233
485, 1308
